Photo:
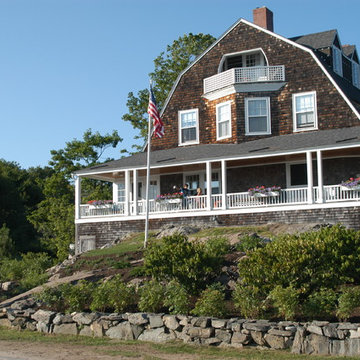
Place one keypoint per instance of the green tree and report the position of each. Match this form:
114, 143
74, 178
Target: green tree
20, 191
168, 65
54, 216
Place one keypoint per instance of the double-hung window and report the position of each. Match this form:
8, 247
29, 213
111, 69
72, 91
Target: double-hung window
257, 116
223, 120
304, 111
189, 127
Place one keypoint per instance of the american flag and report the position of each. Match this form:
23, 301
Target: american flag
154, 113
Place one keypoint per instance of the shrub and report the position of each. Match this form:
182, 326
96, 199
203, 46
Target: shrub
176, 298
52, 298
348, 301
210, 303
78, 297
249, 301
192, 264
325, 258
285, 301
250, 242
102, 296
29, 271
151, 297
320, 304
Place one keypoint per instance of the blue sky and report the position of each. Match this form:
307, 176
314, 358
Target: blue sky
68, 65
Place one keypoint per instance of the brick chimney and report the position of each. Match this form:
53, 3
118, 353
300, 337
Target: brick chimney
263, 17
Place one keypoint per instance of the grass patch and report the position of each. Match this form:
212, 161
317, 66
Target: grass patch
131, 244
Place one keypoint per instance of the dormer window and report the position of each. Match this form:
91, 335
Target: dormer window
248, 58
356, 74
337, 56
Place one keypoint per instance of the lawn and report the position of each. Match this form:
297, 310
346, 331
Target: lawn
142, 350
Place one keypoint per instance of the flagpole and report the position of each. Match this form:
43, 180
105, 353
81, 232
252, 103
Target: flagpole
147, 179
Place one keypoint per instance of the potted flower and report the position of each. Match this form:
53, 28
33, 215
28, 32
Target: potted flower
171, 197
351, 184
100, 203
263, 191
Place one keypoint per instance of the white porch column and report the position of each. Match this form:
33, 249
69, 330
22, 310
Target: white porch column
208, 185
115, 189
223, 185
135, 192
320, 178
127, 192
77, 197
310, 180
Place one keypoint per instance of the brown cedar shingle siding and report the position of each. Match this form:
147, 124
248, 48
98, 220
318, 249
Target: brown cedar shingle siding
302, 74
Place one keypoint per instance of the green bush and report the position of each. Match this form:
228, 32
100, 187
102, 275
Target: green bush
191, 263
320, 304
249, 301
53, 298
348, 301
78, 297
176, 298
249, 242
29, 271
102, 296
285, 301
151, 297
210, 303
113, 295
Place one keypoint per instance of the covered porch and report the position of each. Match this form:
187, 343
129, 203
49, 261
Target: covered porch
307, 178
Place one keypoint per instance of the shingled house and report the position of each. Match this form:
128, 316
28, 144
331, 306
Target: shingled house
254, 109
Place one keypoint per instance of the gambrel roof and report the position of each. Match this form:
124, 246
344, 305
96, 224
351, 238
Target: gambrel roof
318, 40
314, 41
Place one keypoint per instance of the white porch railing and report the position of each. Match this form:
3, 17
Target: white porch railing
244, 75
292, 196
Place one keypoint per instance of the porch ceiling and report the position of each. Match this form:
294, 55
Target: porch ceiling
334, 142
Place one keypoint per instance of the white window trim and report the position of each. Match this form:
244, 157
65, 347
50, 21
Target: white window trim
226, 103
315, 127
337, 53
196, 141
268, 121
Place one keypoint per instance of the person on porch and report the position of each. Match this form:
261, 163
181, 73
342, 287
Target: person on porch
186, 192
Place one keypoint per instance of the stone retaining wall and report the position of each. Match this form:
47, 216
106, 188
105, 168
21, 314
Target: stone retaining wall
317, 337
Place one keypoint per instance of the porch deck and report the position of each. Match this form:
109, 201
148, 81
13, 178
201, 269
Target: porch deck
241, 200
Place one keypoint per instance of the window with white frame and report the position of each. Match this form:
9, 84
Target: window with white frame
189, 126
304, 111
337, 60
356, 74
257, 116
223, 120
121, 192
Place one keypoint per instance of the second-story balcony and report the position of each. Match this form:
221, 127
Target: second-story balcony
244, 75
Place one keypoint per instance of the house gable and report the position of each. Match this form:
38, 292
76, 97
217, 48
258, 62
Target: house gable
304, 72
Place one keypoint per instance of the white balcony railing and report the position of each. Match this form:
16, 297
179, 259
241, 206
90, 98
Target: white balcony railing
241, 200
244, 75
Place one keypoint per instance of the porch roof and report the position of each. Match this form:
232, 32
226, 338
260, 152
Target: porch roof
272, 146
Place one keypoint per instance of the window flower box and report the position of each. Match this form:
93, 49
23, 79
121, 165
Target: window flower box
353, 184
175, 197
262, 191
